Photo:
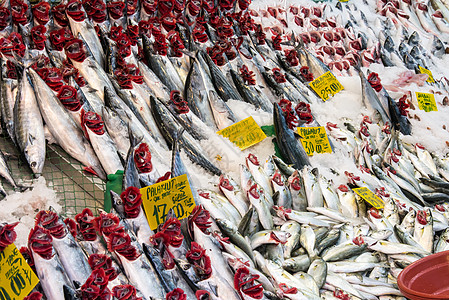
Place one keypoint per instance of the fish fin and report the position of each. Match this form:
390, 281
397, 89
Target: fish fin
31, 139
276, 197
213, 288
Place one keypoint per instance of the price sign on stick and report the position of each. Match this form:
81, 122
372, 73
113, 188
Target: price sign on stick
426, 101
160, 197
244, 134
369, 197
17, 279
428, 72
326, 86
314, 140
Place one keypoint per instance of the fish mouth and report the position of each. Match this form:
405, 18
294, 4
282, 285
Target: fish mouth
132, 199
93, 121
245, 283
4, 17
95, 286
18, 12
359, 241
41, 12
7, 235
199, 33
421, 217
200, 261
59, 15
142, 158
86, 225
169, 23
253, 159
38, 36
131, 7
120, 242
149, 6
59, 37
180, 105
39, 241
97, 261
68, 96
124, 292
201, 218
202, 295
51, 222
75, 10
96, 10
277, 178
292, 57
295, 183
52, 77
74, 49
116, 9
72, 226
169, 233
254, 192
107, 224
176, 294
224, 183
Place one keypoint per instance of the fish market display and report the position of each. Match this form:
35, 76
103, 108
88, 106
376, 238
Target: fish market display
143, 87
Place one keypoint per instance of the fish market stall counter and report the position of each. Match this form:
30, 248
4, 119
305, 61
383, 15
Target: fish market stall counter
221, 149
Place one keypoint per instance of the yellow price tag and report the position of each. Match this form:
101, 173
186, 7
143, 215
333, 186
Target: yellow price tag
425, 71
426, 102
17, 279
314, 140
157, 199
244, 134
369, 197
326, 86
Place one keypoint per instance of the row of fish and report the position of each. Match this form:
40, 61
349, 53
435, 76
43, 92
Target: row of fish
118, 85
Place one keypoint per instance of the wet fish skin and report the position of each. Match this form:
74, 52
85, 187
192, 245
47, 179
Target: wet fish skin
318, 270
222, 86
289, 146
62, 127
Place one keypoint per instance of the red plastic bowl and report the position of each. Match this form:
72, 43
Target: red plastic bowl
427, 278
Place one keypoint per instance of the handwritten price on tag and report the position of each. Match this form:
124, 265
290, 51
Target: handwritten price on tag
428, 72
369, 197
426, 102
17, 279
244, 134
160, 197
326, 86
314, 140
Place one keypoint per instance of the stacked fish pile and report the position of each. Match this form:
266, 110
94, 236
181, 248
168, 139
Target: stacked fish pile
271, 237
118, 84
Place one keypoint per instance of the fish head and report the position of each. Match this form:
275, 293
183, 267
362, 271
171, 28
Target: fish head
33, 156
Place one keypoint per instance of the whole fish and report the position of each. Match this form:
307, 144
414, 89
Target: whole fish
102, 143
289, 146
62, 126
48, 266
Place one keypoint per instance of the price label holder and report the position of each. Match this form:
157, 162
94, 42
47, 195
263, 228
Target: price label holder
428, 72
157, 199
426, 101
17, 279
244, 134
314, 140
369, 197
326, 86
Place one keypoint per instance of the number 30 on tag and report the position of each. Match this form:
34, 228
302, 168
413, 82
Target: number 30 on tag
314, 140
